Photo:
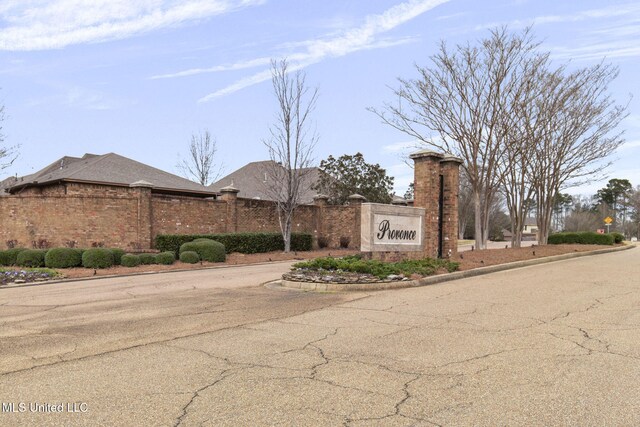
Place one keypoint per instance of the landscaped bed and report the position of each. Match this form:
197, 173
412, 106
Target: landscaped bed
467, 260
17, 276
354, 269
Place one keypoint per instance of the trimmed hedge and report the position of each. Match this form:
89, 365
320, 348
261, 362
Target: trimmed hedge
617, 237
190, 257
130, 260
117, 255
165, 258
97, 258
246, 243
63, 258
10, 256
582, 238
207, 250
31, 258
147, 259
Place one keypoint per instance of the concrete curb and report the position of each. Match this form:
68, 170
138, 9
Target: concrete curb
432, 280
144, 273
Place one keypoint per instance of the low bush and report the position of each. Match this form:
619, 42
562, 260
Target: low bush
356, 264
189, 257
617, 237
130, 260
117, 255
344, 241
10, 256
207, 250
246, 243
147, 259
323, 242
97, 258
165, 258
31, 258
63, 258
582, 238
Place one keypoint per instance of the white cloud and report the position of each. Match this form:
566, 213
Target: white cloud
352, 40
630, 144
46, 24
401, 147
603, 13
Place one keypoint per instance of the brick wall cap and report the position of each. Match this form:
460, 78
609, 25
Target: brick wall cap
452, 159
357, 196
425, 153
141, 183
320, 197
229, 189
399, 202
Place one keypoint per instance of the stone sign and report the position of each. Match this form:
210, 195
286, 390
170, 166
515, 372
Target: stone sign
386, 228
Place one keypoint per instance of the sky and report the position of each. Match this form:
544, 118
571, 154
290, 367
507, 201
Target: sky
139, 77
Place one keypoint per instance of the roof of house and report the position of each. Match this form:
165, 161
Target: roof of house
252, 181
111, 169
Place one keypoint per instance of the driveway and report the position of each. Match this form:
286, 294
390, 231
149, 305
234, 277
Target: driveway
553, 344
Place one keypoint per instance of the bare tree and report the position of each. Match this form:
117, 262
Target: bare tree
200, 164
458, 105
291, 144
7, 154
579, 133
465, 205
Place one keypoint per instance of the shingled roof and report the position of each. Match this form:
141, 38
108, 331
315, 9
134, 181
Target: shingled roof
107, 169
252, 178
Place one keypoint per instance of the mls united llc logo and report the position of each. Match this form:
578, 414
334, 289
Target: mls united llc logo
36, 407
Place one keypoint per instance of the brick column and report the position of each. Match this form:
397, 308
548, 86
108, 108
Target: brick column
144, 225
319, 201
356, 200
426, 195
450, 169
230, 195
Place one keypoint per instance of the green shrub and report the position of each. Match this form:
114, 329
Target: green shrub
147, 259
207, 250
97, 258
356, 264
117, 255
10, 256
246, 243
582, 238
31, 258
166, 258
617, 237
63, 258
130, 260
190, 257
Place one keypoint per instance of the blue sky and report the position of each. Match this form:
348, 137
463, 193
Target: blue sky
138, 77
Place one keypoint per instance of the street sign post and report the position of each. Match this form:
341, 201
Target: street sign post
608, 220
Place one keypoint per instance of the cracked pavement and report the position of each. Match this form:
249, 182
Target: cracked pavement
552, 344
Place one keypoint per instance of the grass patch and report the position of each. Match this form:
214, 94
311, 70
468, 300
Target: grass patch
27, 274
380, 269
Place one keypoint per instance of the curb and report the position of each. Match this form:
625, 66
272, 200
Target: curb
144, 273
432, 280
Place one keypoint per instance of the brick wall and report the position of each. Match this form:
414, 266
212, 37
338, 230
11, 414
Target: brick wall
130, 218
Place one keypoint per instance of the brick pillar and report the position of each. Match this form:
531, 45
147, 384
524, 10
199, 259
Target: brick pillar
320, 202
426, 194
230, 195
450, 170
144, 226
356, 201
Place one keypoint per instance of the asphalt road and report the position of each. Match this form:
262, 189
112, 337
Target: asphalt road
554, 344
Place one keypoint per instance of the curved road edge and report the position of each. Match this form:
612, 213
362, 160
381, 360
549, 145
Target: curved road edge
432, 280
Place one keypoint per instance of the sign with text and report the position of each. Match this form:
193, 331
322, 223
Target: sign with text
391, 228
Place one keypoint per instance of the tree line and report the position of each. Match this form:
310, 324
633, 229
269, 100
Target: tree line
525, 128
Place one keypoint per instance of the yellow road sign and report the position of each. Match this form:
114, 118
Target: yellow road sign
608, 220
